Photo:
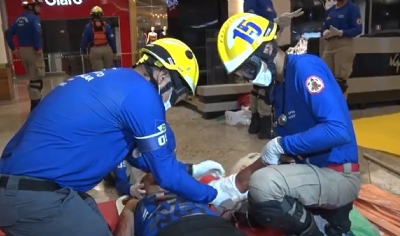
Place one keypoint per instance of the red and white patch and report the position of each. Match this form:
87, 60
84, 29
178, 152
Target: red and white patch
314, 84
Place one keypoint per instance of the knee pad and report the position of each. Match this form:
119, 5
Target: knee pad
288, 215
342, 84
35, 91
36, 84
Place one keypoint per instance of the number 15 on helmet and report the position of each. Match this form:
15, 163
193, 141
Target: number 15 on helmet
240, 36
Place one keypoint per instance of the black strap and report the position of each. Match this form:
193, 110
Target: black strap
31, 184
200, 225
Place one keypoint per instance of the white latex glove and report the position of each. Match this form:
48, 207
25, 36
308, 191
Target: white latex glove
272, 152
329, 4
228, 195
285, 19
205, 167
335, 32
137, 190
326, 34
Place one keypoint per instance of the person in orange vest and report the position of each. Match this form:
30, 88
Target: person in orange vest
100, 40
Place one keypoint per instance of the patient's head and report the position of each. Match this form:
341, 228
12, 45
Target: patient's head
150, 184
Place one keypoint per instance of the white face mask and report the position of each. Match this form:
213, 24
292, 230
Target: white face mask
167, 104
263, 78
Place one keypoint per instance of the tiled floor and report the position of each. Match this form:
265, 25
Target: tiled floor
199, 139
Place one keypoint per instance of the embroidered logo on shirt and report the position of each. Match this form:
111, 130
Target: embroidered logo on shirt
314, 84
269, 9
359, 21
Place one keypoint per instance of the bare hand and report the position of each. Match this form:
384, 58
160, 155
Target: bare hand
130, 203
288, 159
115, 57
39, 52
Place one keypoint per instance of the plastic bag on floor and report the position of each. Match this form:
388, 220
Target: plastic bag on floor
360, 226
235, 117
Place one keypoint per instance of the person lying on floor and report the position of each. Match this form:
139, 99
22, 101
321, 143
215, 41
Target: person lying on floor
160, 214
126, 178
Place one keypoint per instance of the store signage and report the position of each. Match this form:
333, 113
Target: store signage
394, 62
63, 2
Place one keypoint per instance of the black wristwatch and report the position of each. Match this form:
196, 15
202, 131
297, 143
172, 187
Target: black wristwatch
190, 169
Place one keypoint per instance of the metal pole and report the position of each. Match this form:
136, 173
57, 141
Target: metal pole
83, 64
370, 17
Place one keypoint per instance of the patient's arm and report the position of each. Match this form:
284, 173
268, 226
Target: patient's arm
125, 224
243, 177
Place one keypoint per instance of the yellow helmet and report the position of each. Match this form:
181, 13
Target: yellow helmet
240, 36
178, 58
96, 11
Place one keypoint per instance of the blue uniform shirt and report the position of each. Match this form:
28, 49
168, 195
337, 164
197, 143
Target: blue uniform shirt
151, 215
263, 8
346, 18
87, 39
28, 30
86, 126
319, 125
122, 183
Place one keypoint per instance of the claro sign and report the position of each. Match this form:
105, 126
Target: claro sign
63, 2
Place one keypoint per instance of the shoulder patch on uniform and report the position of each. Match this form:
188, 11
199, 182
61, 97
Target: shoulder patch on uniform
359, 21
314, 84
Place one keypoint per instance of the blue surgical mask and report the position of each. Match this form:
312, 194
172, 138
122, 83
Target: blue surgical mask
263, 78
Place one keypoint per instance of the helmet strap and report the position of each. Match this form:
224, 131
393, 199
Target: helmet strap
153, 81
178, 88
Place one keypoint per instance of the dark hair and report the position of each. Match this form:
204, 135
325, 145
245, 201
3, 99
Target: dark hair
286, 47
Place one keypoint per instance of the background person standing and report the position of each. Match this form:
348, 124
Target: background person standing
100, 40
342, 23
28, 30
260, 104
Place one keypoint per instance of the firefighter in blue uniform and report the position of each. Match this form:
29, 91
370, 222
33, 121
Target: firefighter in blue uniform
100, 40
342, 24
127, 179
314, 128
83, 129
28, 30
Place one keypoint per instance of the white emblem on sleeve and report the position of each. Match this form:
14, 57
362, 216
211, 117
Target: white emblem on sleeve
314, 84
136, 153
